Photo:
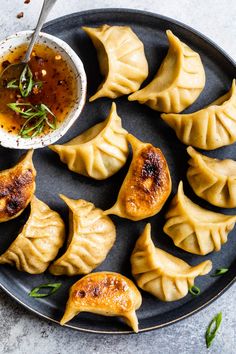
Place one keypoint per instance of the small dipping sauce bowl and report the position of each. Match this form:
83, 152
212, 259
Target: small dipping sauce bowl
62, 49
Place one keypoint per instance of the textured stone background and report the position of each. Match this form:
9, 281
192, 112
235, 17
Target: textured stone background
24, 333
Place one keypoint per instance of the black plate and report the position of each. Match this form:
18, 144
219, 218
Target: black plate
53, 177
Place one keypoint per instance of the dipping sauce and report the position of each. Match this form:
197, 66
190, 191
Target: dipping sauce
54, 87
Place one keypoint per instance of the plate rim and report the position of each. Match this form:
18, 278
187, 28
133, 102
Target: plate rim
196, 309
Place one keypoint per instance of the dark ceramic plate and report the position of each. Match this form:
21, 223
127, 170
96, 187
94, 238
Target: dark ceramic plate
54, 177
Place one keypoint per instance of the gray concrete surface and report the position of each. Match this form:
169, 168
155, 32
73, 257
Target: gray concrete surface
24, 333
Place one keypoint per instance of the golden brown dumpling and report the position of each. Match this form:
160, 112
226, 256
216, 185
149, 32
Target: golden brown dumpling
91, 236
161, 274
212, 179
100, 151
39, 241
211, 127
194, 229
17, 186
178, 82
104, 293
147, 184
121, 58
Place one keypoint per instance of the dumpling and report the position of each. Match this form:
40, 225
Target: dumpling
147, 184
161, 274
212, 179
194, 229
100, 151
39, 241
91, 236
178, 82
104, 293
121, 59
17, 187
211, 127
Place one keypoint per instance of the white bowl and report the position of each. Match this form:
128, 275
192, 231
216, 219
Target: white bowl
74, 62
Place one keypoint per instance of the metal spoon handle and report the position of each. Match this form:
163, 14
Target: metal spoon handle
47, 6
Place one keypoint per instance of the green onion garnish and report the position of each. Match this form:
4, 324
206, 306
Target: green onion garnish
212, 329
25, 83
36, 118
219, 271
194, 290
12, 84
53, 288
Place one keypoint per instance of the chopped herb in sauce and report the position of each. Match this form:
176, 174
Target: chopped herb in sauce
36, 118
37, 99
25, 84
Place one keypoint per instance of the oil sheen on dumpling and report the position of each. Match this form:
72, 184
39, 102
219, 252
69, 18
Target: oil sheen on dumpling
91, 236
121, 59
147, 184
39, 241
104, 293
160, 273
100, 151
178, 82
17, 186
194, 229
211, 127
212, 179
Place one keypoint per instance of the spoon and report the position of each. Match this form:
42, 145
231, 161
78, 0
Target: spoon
13, 71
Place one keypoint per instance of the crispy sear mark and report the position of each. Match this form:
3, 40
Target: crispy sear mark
152, 166
149, 182
16, 191
95, 288
150, 174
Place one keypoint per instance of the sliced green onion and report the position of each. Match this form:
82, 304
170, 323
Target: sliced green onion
26, 82
194, 290
52, 289
36, 118
212, 329
219, 271
12, 84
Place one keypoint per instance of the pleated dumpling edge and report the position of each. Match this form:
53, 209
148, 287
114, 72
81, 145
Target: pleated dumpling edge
98, 152
212, 179
39, 241
195, 229
91, 236
121, 59
163, 275
209, 128
177, 83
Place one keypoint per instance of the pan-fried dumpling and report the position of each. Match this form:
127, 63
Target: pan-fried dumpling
39, 241
104, 293
91, 236
211, 127
121, 59
178, 82
17, 187
100, 151
212, 179
147, 184
194, 229
161, 274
